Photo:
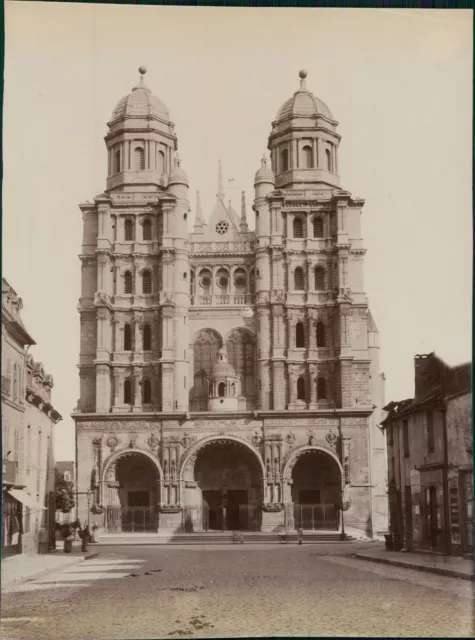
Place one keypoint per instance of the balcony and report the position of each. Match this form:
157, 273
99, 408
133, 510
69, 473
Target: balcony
233, 299
9, 471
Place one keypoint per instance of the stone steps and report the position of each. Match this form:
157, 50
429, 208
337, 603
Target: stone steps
310, 537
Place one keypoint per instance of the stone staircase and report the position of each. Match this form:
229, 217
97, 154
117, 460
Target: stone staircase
215, 537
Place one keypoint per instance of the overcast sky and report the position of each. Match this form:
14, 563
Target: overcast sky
398, 82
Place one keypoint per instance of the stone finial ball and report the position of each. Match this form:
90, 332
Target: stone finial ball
303, 74
142, 69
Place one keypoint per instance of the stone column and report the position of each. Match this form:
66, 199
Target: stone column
116, 378
292, 389
137, 334
136, 280
313, 388
117, 288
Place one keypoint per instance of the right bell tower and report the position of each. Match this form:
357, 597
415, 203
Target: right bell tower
317, 341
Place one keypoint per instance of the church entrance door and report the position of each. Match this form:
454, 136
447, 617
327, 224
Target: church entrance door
131, 494
228, 489
316, 486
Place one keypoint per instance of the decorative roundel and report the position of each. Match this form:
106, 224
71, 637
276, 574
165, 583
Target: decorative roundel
205, 281
223, 282
222, 227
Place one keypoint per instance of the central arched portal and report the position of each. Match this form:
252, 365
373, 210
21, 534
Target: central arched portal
132, 483
226, 491
315, 490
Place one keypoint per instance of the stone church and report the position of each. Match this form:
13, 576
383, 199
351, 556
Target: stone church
229, 377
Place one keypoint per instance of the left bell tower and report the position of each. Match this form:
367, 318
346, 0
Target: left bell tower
134, 298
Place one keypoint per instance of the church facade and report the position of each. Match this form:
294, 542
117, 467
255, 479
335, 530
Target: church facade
229, 378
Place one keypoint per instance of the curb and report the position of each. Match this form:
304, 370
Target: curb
45, 572
449, 573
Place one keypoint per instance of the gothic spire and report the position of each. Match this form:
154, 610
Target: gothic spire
243, 224
220, 194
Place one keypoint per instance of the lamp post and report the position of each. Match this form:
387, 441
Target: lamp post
344, 506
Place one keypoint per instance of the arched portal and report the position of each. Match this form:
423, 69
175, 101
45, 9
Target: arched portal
223, 487
131, 492
205, 354
315, 489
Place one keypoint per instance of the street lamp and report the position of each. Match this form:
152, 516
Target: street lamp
344, 506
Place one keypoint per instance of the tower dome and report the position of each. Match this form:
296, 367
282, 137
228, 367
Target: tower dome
141, 102
141, 142
304, 142
303, 103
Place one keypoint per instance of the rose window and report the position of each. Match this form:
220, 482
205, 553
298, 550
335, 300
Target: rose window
222, 227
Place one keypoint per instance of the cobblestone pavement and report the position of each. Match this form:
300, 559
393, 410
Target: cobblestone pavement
281, 590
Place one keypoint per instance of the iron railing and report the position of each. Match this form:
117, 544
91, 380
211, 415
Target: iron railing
312, 517
244, 517
131, 519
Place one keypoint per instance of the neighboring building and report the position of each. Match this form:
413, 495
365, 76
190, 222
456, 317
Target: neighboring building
430, 459
227, 377
27, 439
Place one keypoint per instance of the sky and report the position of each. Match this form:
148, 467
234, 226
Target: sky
399, 82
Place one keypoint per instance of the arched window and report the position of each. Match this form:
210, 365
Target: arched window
147, 229
317, 228
128, 230
307, 157
284, 160
300, 389
146, 282
321, 389
320, 334
127, 282
147, 337
147, 392
139, 159
319, 279
221, 389
299, 336
127, 392
205, 354
328, 153
298, 228
127, 337
161, 162
233, 389
116, 167
298, 279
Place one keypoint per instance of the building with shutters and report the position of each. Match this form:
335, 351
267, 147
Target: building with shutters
28, 421
229, 377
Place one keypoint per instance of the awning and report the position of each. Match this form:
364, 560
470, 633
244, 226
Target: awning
26, 499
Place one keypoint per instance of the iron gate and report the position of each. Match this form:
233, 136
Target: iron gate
312, 517
203, 518
131, 519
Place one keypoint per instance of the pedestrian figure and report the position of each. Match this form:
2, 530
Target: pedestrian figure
85, 536
94, 530
68, 537
300, 534
283, 535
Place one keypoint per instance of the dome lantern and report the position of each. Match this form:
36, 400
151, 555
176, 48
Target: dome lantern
224, 385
